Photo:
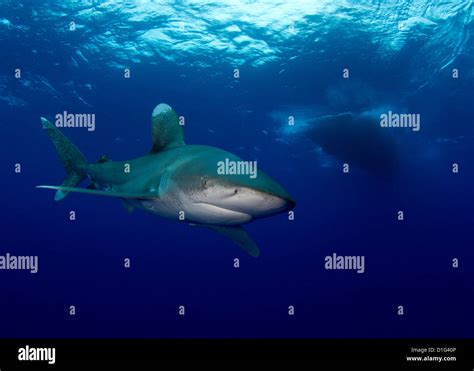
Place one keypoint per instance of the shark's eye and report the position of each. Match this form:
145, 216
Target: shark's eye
236, 191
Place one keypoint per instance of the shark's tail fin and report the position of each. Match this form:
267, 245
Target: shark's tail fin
72, 159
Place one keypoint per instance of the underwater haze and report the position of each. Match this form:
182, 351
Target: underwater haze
303, 87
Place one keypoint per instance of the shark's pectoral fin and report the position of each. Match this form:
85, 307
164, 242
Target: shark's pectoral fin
95, 192
239, 236
166, 131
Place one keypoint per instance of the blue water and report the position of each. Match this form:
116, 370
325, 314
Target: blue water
290, 55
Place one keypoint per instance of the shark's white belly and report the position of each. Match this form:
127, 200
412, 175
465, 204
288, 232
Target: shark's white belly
193, 212
210, 214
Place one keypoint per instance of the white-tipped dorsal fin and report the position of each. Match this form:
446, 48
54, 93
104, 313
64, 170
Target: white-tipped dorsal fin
166, 131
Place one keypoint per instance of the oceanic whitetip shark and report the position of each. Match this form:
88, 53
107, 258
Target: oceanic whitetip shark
175, 180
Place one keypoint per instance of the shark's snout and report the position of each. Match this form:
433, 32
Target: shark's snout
268, 204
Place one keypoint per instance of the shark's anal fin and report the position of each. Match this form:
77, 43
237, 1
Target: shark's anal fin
239, 235
95, 192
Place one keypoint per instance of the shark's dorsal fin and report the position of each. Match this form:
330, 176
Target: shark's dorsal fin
238, 235
166, 131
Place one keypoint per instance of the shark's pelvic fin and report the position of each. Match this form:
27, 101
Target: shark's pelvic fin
72, 159
239, 235
128, 206
95, 192
166, 131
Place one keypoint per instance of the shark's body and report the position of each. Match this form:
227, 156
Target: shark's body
176, 181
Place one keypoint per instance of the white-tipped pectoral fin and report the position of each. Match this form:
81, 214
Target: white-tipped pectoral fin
237, 234
96, 192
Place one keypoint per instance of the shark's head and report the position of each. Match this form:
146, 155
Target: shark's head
238, 193
212, 192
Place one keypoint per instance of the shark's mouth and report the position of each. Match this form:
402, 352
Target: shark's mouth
209, 213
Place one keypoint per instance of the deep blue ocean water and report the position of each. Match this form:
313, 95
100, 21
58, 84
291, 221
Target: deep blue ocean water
401, 56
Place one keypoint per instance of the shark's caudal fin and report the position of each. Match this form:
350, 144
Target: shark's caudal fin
72, 159
237, 234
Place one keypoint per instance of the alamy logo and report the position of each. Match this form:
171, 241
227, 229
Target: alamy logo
75, 120
231, 167
400, 120
37, 354
12, 262
335, 261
